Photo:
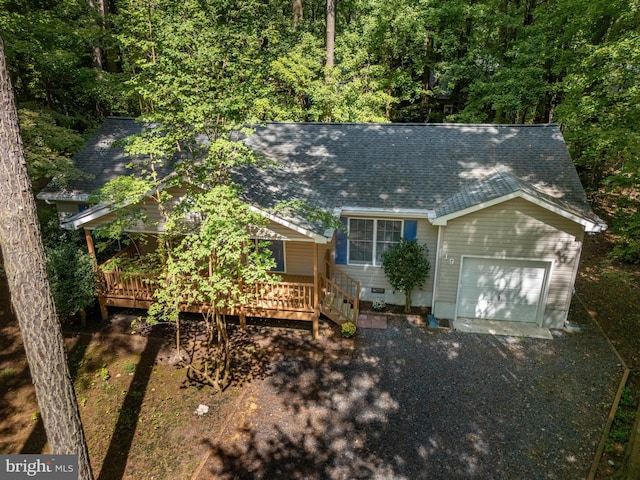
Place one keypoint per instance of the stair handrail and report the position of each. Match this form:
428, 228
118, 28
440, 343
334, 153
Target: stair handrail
332, 273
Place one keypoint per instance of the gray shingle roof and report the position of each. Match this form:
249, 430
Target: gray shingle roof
436, 167
101, 159
441, 167
502, 183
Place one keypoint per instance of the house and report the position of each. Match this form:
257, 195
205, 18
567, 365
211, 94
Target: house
500, 207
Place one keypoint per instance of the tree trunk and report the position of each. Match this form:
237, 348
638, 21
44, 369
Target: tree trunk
407, 302
297, 12
24, 262
331, 31
96, 51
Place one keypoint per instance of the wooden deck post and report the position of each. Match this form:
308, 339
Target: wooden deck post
90, 247
316, 293
243, 319
104, 313
315, 326
102, 301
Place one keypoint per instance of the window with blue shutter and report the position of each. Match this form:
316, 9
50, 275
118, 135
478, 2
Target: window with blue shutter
369, 238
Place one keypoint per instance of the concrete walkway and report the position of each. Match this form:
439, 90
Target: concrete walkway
493, 327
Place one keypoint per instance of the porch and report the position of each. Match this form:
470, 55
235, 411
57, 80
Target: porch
294, 297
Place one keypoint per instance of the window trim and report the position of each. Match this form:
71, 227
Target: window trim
375, 239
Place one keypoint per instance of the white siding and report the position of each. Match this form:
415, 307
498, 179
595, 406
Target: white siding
513, 229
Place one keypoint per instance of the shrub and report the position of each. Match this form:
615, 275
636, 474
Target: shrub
406, 266
378, 305
348, 329
72, 277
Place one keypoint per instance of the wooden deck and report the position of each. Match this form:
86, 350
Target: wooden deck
291, 298
294, 297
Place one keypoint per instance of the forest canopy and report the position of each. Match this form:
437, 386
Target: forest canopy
571, 62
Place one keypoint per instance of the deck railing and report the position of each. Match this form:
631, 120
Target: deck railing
290, 296
294, 296
135, 286
338, 285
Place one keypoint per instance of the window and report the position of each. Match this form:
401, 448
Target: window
389, 233
277, 251
369, 238
276, 247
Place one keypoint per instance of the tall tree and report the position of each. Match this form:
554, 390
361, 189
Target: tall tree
25, 265
331, 31
297, 12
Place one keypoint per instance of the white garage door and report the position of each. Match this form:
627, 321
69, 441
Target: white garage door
501, 289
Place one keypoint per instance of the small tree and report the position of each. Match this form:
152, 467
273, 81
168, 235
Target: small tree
215, 266
406, 266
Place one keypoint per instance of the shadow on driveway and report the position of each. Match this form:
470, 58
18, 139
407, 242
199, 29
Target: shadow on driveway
410, 403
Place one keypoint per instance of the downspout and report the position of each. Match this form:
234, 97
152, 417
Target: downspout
436, 270
574, 276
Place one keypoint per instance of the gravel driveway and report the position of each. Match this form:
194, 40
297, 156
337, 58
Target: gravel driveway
412, 403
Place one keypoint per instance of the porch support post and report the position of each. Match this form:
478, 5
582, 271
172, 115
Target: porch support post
243, 319
316, 293
102, 302
90, 247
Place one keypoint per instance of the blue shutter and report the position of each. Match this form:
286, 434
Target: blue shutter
341, 243
410, 229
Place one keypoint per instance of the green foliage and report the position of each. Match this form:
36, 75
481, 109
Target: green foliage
48, 146
310, 213
8, 372
351, 93
406, 266
623, 420
213, 265
348, 329
130, 368
626, 225
104, 373
48, 48
627, 400
71, 275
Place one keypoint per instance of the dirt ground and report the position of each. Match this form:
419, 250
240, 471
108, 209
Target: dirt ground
138, 410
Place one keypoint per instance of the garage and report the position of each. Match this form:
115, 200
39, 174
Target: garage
502, 289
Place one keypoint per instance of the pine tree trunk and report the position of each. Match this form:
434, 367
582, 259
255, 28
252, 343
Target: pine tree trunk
31, 297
